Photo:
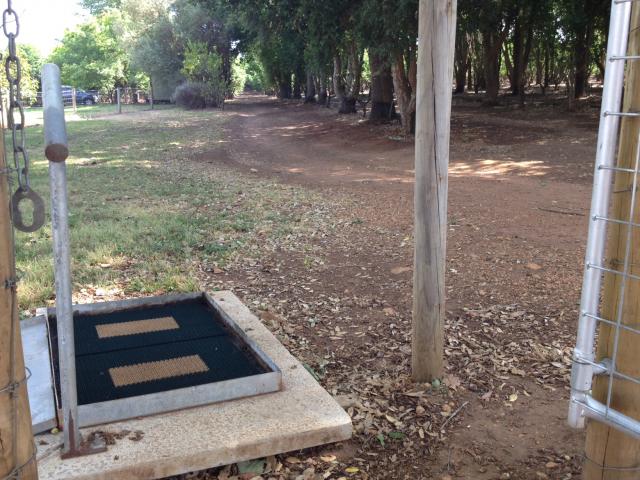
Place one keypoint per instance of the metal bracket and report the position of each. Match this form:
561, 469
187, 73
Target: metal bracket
79, 448
38, 210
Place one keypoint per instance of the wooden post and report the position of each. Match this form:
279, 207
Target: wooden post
433, 115
151, 93
119, 100
16, 405
608, 451
74, 101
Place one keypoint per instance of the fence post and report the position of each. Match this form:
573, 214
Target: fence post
74, 101
151, 93
17, 438
437, 22
611, 454
118, 100
56, 136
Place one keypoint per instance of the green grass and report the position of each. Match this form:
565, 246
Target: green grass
34, 114
147, 216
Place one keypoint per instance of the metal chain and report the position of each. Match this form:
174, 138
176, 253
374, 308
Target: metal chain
13, 71
16, 122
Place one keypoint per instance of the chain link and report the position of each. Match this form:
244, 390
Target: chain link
15, 115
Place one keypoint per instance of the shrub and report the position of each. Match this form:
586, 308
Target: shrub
194, 95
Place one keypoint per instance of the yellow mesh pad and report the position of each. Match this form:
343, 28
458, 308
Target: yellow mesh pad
151, 371
136, 327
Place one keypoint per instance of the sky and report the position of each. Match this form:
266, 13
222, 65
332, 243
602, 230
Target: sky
43, 22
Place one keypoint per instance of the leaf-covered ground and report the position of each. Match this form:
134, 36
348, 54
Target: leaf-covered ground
307, 217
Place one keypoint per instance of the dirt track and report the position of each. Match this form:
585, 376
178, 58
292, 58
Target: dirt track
519, 193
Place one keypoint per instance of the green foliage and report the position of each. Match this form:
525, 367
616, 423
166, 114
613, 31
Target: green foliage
201, 64
31, 55
157, 50
255, 75
31, 63
92, 56
97, 7
275, 44
239, 76
203, 67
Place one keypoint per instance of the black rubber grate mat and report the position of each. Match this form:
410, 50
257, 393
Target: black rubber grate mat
133, 352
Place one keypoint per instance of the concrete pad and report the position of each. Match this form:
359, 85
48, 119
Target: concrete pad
301, 415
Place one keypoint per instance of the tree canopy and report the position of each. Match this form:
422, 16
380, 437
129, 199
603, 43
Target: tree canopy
92, 56
341, 48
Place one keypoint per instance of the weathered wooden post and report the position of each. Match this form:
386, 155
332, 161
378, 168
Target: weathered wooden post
118, 100
611, 454
433, 115
151, 93
17, 449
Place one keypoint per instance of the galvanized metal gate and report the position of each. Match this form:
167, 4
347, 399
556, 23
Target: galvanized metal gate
583, 404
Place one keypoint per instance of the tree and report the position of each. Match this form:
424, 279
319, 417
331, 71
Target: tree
390, 31
153, 43
580, 21
381, 88
96, 7
32, 56
31, 63
92, 56
274, 30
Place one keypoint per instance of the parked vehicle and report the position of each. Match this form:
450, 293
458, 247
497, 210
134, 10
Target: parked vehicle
82, 97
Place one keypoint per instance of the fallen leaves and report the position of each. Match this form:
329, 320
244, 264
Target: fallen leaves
400, 270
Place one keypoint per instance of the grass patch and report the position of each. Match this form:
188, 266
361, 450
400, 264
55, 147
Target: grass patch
88, 112
145, 216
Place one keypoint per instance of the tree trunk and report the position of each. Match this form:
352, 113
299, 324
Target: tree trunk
310, 92
353, 81
404, 84
322, 89
491, 51
523, 61
347, 105
354, 71
539, 66
382, 108
547, 68
477, 58
298, 81
510, 69
581, 58
284, 86
461, 60
338, 81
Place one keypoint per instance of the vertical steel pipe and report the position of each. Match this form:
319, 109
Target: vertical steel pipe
56, 148
56, 135
582, 374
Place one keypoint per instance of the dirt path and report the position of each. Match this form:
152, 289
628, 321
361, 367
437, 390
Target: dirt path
519, 193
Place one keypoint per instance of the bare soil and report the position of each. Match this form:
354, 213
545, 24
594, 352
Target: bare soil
520, 184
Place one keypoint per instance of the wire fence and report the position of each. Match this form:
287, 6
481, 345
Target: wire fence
606, 373
115, 96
